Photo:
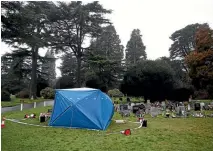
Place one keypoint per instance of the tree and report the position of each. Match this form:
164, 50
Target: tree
15, 70
107, 47
182, 79
152, 79
27, 24
102, 71
73, 23
64, 82
200, 61
68, 66
108, 44
135, 49
48, 68
183, 42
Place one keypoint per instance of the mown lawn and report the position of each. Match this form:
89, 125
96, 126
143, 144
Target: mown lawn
16, 101
190, 134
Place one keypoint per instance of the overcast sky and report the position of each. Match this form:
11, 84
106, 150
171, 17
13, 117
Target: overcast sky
157, 20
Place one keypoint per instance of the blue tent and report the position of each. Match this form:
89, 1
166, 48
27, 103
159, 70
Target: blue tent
82, 108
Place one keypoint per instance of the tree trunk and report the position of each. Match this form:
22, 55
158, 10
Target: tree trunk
33, 87
78, 72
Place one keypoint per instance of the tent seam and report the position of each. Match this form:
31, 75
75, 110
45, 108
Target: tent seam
73, 104
85, 114
63, 111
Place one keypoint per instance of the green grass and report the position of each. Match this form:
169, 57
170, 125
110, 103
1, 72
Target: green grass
206, 101
133, 100
162, 134
16, 101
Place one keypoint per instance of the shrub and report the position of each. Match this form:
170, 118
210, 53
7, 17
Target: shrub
65, 82
201, 94
210, 91
47, 93
137, 100
115, 93
23, 94
185, 103
5, 96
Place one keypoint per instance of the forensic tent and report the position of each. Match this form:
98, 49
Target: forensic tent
81, 108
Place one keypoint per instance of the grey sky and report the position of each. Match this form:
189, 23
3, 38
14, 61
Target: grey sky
157, 20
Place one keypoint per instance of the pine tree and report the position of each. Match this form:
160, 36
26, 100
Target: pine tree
107, 47
135, 49
48, 68
108, 44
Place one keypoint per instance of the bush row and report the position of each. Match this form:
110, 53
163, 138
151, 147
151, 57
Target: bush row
47, 93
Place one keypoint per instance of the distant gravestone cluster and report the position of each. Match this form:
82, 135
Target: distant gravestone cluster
165, 108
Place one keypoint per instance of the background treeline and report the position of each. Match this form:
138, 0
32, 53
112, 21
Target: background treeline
93, 56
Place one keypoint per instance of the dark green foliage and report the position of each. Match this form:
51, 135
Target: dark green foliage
65, 82
210, 91
104, 58
48, 68
94, 82
9, 17
5, 95
72, 24
108, 45
102, 70
48, 93
28, 25
135, 49
183, 42
181, 94
69, 66
201, 94
41, 84
155, 80
181, 77
151, 79
23, 94
15, 70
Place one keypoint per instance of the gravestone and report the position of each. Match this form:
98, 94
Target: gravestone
132, 104
148, 107
163, 104
197, 106
124, 111
181, 111
189, 107
206, 107
135, 109
123, 107
154, 111
202, 105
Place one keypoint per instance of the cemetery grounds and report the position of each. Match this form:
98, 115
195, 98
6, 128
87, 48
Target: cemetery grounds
161, 134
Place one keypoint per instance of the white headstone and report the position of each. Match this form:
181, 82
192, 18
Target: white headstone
163, 104
154, 111
189, 107
202, 105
